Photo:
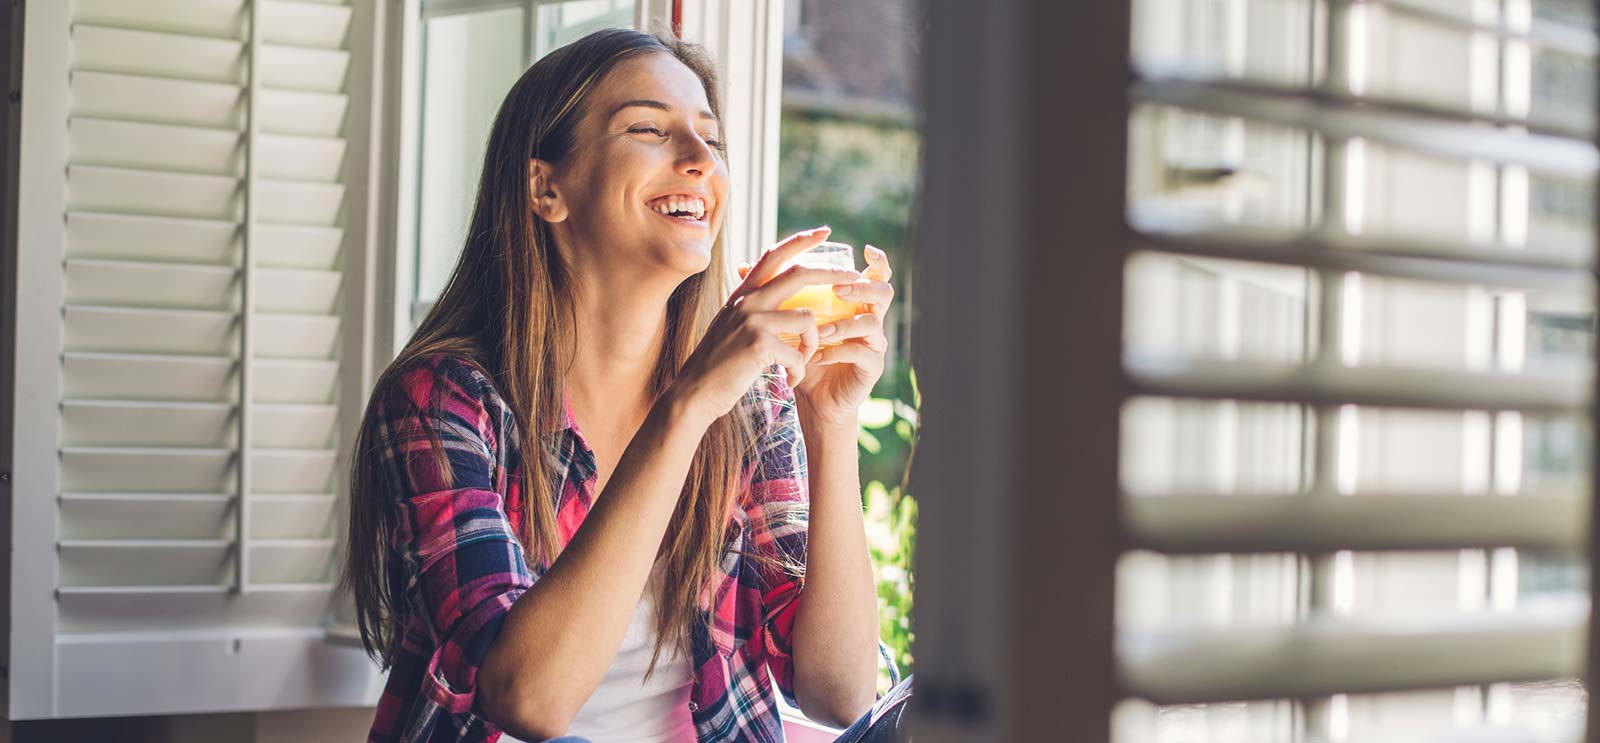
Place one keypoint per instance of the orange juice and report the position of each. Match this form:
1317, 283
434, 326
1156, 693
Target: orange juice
828, 306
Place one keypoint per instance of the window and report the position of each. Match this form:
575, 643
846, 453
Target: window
470, 55
847, 158
1264, 415
1233, 171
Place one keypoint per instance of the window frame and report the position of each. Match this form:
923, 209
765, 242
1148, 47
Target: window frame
749, 31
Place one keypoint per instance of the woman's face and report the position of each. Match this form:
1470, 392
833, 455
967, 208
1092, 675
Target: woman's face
642, 194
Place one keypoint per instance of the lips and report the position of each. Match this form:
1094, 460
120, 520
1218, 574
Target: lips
681, 206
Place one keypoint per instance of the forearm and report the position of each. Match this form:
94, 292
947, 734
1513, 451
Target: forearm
562, 634
836, 624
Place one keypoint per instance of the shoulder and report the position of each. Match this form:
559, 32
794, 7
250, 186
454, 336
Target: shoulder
437, 381
442, 393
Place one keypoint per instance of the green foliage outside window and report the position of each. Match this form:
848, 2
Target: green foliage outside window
859, 177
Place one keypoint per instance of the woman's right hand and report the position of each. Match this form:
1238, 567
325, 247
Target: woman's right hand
744, 338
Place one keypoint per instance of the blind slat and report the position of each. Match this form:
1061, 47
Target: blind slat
1532, 391
1202, 524
1548, 269
1407, 127
1325, 656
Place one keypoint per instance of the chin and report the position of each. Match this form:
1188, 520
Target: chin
690, 257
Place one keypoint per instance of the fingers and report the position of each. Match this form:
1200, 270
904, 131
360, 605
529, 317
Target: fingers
868, 329
800, 323
877, 265
793, 279
854, 352
771, 261
876, 295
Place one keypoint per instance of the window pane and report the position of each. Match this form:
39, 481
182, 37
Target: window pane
565, 22
469, 62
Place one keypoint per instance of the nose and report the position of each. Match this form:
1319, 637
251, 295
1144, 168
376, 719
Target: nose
695, 157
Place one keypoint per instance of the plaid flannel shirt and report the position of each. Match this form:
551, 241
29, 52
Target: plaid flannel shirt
458, 566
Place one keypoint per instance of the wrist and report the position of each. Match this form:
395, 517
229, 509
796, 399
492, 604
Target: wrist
679, 407
813, 422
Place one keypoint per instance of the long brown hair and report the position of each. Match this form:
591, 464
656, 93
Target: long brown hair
507, 308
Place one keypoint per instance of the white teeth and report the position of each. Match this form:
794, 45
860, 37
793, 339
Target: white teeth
693, 205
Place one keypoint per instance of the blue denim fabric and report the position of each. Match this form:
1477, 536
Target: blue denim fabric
884, 724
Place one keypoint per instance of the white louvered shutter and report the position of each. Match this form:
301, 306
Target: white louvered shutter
192, 489
1359, 347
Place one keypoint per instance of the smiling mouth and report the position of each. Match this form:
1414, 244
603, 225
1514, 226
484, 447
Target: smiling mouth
680, 208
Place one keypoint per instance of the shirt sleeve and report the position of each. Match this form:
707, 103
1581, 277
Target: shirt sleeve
461, 563
778, 511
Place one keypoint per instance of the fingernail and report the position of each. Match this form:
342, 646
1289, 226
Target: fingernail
827, 330
845, 291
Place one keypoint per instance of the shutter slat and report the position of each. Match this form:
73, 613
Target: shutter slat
292, 516
1321, 657
131, 376
302, 112
190, 608
293, 470
295, 380
1547, 269
1202, 524
301, 68
1553, 35
140, 284
295, 291
283, 336
147, 516
300, 202
292, 561
301, 158
104, 49
130, 330
1391, 106
298, 246
1410, 129
154, 146
137, 562
304, 24
157, 100
294, 426
147, 238
120, 423
1533, 391
157, 470
220, 18
155, 193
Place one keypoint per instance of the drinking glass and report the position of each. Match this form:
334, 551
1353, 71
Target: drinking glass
820, 298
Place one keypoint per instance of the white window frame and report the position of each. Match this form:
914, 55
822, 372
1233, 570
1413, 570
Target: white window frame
745, 37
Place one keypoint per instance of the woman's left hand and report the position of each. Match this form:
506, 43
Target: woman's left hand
840, 377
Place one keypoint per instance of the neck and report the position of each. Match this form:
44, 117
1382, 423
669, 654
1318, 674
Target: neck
620, 330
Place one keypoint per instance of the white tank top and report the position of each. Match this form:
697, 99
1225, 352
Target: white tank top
625, 708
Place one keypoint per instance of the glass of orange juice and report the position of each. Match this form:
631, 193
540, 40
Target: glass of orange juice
819, 298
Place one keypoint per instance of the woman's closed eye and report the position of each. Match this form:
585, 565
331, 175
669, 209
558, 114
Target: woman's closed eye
715, 144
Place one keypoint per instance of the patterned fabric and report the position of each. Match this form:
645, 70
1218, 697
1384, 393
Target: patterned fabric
459, 567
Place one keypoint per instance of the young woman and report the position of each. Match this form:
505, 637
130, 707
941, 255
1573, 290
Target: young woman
580, 497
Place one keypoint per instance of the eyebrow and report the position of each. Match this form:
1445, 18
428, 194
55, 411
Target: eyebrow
658, 105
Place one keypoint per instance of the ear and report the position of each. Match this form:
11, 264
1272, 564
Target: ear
543, 194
